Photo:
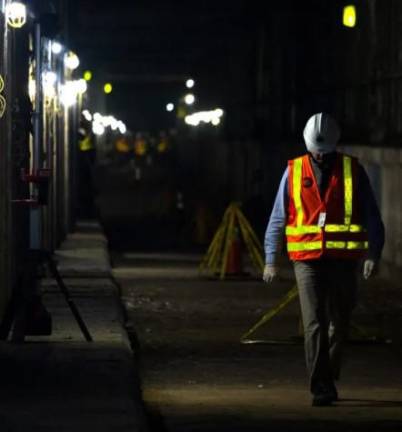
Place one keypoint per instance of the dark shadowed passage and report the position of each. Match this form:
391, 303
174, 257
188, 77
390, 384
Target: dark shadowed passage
196, 376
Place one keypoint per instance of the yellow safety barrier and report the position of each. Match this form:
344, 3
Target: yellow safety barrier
233, 224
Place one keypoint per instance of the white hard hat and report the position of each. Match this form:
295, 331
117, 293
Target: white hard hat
321, 133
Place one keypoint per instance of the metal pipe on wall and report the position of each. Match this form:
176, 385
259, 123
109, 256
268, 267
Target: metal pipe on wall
36, 213
6, 243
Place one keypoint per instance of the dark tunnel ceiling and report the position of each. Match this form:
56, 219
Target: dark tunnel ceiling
155, 37
148, 48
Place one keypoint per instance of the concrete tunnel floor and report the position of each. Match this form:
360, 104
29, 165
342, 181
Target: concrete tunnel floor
197, 376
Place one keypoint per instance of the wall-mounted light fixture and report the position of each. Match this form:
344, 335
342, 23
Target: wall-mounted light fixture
87, 75
108, 88
71, 90
57, 47
349, 16
16, 14
190, 83
71, 60
189, 99
68, 94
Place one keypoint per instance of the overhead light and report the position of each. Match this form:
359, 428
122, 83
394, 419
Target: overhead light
87, 115
190, 83
97, 117
87, 75
349, 16
189, 99
98, 128
114, 124
192, 121
100, 123
57, 47
108, 88
71, 60
16, 14
105, 120
213, 117
169, 107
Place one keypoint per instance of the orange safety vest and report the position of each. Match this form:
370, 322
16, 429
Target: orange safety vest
328, 227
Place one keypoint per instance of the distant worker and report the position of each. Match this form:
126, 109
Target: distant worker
140, 145
163, 143
326, 208
122, 145
85, 142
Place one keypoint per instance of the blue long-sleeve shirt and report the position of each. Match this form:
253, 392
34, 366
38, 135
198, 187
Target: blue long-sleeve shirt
371, 219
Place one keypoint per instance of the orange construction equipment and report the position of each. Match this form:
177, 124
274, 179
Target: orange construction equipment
234, 264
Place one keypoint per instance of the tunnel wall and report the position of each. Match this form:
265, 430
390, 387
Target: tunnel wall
384, 167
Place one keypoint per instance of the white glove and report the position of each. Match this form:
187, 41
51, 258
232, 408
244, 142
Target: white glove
270, 271
369, 267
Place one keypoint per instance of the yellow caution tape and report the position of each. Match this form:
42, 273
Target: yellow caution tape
292, 294
363, 332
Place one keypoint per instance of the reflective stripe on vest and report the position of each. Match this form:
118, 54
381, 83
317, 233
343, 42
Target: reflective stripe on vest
313, 229
304, 246
297, 181
317, 245
348, 188
350, 245
300, 229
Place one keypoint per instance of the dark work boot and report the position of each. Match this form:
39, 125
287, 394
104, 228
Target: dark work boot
324, 399
325, 395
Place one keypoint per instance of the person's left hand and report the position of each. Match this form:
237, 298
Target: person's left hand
369, 268
270, 272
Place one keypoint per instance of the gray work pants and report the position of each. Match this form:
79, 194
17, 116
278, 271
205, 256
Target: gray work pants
327, 292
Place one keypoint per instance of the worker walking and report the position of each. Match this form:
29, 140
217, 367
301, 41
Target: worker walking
326, 208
